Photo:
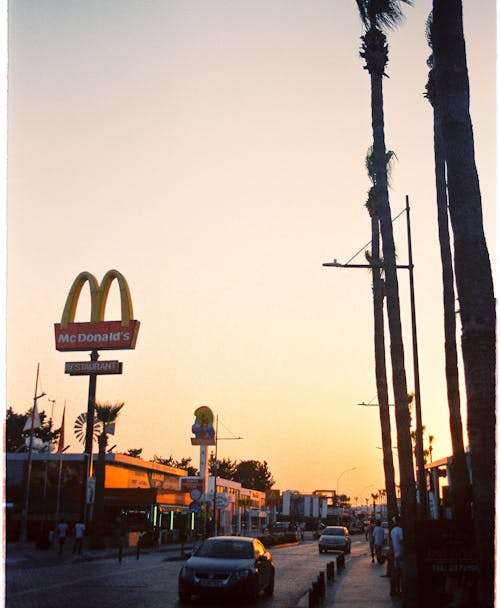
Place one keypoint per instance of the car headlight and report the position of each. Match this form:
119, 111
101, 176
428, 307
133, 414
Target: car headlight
241, 575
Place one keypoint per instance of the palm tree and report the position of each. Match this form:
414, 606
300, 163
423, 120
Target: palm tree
374, 498
460, 486
379, 335
376, 16
473, 277
431, 441
107, 414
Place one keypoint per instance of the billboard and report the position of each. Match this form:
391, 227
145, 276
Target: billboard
203, 428
97, 334
82, 368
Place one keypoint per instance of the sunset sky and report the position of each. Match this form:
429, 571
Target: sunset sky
213, 152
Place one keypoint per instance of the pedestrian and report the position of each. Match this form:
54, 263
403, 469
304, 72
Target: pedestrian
369, 537
79, 534
61, 533
397, 548
378, 541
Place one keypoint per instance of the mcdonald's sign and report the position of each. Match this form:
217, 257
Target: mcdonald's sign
97, 334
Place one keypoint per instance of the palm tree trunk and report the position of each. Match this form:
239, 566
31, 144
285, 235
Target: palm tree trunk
407, 477
381, 374
460, 486
473, 279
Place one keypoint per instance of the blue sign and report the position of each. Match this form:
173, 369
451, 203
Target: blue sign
195, 506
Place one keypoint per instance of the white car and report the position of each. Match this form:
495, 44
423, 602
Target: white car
335, 538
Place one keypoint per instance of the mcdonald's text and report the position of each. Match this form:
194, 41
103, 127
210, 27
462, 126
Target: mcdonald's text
104, 335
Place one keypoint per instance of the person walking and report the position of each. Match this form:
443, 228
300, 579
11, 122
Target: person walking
79, 534
378, 541
369, 537
61, 533
397, 548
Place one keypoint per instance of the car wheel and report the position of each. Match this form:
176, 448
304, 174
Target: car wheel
269, 590
320, 550
253, 591
184, 596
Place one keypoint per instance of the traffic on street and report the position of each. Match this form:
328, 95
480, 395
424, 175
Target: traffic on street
152, 580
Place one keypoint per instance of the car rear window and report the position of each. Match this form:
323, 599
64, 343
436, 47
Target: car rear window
333, 532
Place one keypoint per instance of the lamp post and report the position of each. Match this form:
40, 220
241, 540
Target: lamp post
58, 499
338, 479
419, 443
216, 467
24, 515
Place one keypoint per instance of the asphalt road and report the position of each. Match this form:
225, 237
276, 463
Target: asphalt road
151, 581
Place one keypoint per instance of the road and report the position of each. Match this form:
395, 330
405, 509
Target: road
151, 581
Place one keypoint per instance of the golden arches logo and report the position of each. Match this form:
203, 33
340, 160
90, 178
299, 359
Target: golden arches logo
98, 297
97, 333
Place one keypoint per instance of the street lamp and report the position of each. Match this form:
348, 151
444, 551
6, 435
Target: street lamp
419, 443
338, 478
216, 467
337, 493
24, 515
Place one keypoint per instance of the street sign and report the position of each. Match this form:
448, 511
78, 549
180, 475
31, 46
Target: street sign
188, 483
195, 494
221, 500
195, 506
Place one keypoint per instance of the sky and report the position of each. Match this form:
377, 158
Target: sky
213, 153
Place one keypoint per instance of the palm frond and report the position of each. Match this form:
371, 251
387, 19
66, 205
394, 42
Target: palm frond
390, 157
107, 412
381, 14
428, 29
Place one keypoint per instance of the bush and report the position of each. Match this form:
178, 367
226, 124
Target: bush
270, 540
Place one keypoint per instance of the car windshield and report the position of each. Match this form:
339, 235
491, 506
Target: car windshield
333, 532
225, 549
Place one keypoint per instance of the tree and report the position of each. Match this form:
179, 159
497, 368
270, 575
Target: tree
15, 436
134, 452
226, 468
254, 475
379, 335
107, 414
376, 16
183, 463
473, 278
459, 486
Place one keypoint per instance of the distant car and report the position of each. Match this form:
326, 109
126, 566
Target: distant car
227, 565
280, 526
335, 538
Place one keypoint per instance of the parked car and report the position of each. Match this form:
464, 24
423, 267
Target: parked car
335, 538
280, 526
227, 565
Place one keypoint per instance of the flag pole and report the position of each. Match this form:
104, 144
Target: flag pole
24, 514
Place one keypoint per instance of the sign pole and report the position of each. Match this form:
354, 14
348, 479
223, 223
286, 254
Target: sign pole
89, 437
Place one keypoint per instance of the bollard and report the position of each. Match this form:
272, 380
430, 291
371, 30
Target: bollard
138, 549
340, 562
330, 572
311, 603
321, 585
313, 596
120, 553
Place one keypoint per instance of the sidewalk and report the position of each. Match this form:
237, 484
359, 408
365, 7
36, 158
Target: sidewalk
359, 585
16, 554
